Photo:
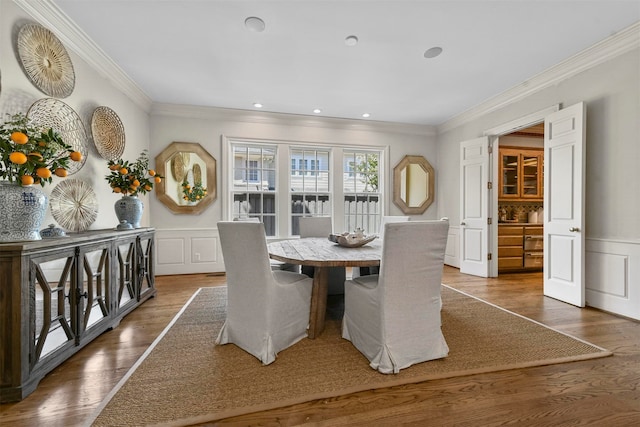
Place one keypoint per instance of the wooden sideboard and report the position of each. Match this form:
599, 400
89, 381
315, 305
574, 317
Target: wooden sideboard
58, 294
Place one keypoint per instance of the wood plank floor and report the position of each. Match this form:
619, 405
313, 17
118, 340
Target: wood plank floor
600, 392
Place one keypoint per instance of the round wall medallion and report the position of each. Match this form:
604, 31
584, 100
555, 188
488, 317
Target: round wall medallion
177, 167
74, 205
108, 133
52, 113
45, 61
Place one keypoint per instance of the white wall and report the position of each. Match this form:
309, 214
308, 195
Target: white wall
188, 243
91, 90
611, 92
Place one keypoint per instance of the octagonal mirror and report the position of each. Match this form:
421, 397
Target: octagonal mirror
413, 185
190, 178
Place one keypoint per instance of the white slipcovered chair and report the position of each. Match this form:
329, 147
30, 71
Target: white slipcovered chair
362, 271
393, 318
275, 264
320, 226
267, 311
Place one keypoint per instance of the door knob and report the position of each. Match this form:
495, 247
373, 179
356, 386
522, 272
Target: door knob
463, 223
574, 229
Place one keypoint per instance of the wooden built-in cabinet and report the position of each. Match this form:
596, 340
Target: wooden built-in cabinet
520, 247
58, 294
520, 175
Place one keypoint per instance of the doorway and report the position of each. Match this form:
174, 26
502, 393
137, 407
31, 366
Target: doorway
520, 200
564, 202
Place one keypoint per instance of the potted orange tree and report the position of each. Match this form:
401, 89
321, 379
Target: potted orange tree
130, 179
29, 158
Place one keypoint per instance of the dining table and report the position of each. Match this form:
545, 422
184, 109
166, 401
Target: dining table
321, 253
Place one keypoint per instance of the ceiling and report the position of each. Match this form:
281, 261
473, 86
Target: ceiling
200, 53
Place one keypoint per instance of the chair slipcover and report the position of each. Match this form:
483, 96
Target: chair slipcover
275, 264
363, 271
320, 226
267, 311
393, 318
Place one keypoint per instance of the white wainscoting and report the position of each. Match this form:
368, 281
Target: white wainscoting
180, 251
451, 255
612, 271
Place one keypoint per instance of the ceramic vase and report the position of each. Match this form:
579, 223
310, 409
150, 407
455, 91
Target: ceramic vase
129, 209
22, 210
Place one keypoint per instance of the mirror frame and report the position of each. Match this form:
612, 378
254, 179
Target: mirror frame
210, 162
397, 176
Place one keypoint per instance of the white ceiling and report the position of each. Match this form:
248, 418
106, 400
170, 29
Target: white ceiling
198, 52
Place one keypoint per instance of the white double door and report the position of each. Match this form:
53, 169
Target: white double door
564, 177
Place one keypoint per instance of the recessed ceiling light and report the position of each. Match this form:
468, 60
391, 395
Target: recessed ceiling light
351, 41
366, 115
317, 111
433, 52
253, 23
257, 105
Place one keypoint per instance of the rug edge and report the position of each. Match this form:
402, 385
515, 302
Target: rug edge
98, 410
217, 416
528, 318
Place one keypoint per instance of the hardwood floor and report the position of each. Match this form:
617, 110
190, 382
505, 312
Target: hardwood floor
595, 392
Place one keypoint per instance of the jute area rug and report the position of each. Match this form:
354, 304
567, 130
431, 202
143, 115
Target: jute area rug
183, 378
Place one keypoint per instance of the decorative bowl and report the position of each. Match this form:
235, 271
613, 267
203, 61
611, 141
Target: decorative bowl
351, 240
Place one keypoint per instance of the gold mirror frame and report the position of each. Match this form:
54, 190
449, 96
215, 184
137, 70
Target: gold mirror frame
166, 164
402, 184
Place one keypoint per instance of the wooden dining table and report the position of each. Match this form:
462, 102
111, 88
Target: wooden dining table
321, 253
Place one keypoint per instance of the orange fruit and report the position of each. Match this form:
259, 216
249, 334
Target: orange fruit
114, 167
19, 138
157, 179
136, 183
152, 172
117, 190
148, 187
61, 172
18, 158
124, 171
43, 173
26, 179
42, 144
76, 156
36, 154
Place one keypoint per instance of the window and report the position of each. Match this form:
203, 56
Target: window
254, 184
279, 183
310, 189
362, 198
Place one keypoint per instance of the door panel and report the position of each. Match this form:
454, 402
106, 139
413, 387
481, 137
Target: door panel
474, 211
564, 159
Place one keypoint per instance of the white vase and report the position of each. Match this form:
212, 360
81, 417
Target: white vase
22, 210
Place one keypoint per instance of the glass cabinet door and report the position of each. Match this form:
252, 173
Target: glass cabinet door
509, 178
530, 181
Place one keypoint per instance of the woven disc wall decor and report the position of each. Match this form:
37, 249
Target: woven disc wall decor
45, 61
108, 133
177, 167
74, 205
197, 174
51, 113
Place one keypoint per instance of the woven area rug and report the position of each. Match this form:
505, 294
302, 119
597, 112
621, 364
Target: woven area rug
183, 378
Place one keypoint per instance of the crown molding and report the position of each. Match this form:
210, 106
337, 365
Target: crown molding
50, 16
615, 45
263, 117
